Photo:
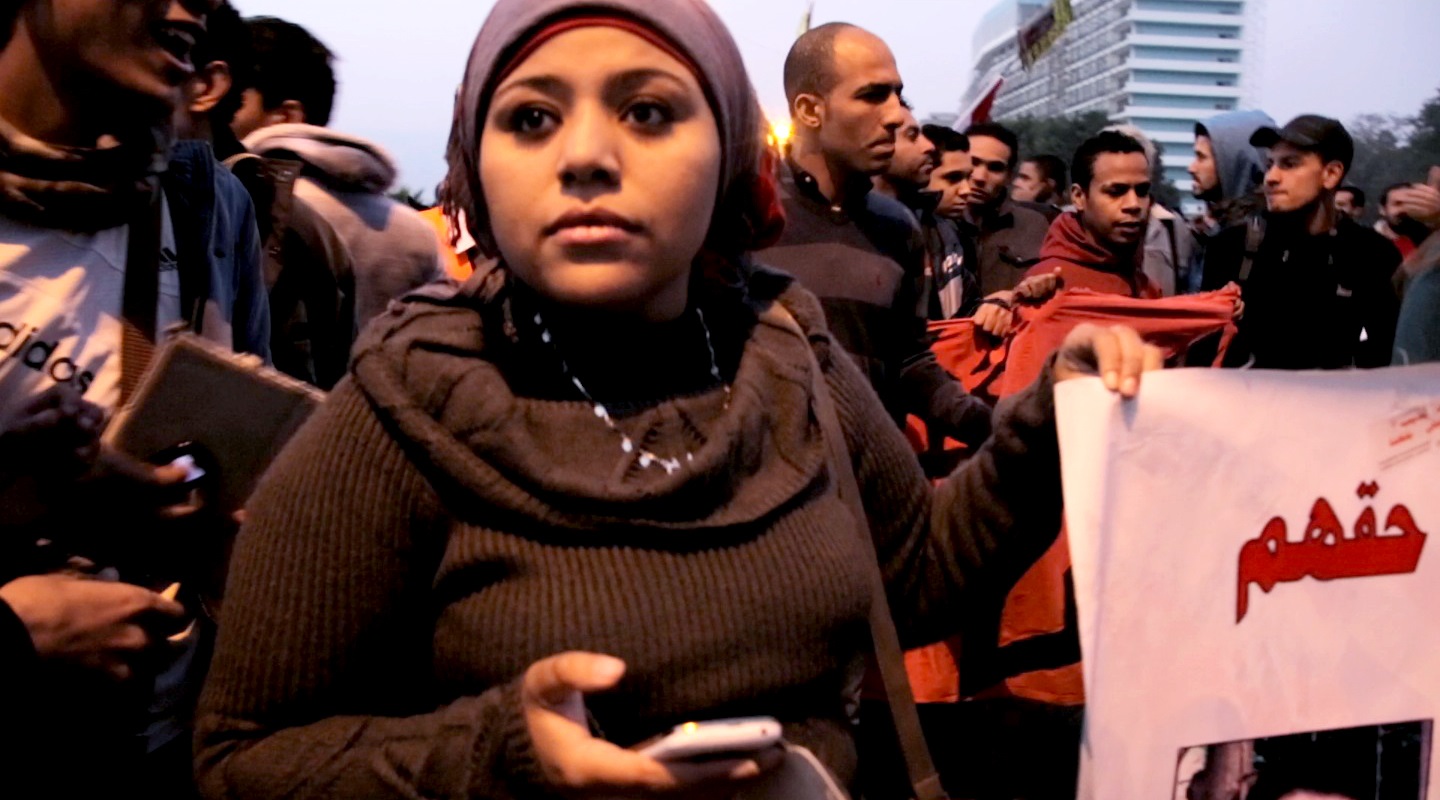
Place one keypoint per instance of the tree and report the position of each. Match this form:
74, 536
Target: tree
1425, 139
1391, 149
1062, 136
1058, 136
1382, 157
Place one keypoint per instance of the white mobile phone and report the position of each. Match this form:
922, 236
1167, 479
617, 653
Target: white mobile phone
193, 471
712, 739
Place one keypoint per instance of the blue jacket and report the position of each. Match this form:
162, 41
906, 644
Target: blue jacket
1417, 336
222, 288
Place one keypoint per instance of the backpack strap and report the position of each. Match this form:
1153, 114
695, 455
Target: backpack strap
140, 301
271, 183
1254, 237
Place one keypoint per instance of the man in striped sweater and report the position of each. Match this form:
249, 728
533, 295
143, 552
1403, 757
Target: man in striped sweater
861, 252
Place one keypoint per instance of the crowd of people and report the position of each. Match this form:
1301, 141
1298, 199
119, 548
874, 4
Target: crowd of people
580, 474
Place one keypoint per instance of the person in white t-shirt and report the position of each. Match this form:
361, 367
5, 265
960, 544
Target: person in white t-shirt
90, 186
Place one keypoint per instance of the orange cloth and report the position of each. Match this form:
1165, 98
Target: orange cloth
994, 369
457, 264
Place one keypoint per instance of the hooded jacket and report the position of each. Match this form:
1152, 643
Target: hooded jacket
1240, 170
1086, 264
1169, 251
1239, 165
349, 249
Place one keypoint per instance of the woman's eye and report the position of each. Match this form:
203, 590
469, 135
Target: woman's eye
530, 121
649, 115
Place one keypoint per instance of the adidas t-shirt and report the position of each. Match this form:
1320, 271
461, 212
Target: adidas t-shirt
60, 306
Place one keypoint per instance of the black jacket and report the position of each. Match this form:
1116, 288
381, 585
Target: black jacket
1311, 302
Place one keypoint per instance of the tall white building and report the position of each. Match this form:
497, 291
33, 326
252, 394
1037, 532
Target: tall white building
1161, 65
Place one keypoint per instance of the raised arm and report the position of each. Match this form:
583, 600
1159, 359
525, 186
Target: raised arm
991, 519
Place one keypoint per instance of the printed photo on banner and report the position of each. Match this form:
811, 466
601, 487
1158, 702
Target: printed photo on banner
1374, 762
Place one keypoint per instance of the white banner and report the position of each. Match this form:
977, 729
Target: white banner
1259, 597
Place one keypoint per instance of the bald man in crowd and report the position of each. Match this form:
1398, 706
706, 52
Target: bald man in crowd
859, 251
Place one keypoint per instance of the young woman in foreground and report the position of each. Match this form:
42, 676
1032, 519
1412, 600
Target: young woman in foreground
587, 498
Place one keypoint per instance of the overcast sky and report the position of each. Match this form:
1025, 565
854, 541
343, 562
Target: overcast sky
401, 61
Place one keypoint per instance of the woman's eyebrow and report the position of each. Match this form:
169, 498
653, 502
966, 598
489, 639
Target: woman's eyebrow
631, 80
544, 84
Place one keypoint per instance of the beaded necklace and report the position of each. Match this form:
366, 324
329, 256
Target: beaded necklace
647, 458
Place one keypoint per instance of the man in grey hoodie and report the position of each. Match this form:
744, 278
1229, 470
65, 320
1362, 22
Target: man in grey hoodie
1228, 173
348, 249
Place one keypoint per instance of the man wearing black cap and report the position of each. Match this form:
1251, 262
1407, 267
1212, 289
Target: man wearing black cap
1316, 285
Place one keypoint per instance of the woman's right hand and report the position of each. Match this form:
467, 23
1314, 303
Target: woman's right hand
1116, 354
579, 765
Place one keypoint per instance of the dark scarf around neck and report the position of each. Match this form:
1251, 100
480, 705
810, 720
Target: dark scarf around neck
82, 189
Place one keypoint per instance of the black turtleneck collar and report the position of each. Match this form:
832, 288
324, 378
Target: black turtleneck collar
1295, 225
626, 364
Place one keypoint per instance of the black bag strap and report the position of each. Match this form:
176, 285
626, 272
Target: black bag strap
924, 779
139, 304
1254, 237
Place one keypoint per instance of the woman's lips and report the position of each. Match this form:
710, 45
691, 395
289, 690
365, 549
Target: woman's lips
588, 235
592, 227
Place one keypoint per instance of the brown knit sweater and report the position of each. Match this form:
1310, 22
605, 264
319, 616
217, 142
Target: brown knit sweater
429, 534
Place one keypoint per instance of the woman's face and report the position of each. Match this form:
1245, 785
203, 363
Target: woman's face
600, 161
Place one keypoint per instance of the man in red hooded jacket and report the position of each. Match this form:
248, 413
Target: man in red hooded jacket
1098, 246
